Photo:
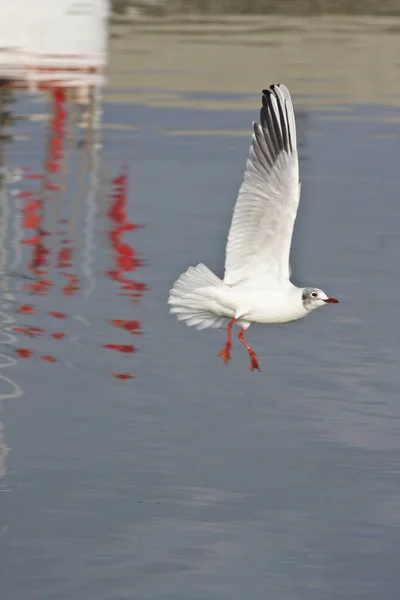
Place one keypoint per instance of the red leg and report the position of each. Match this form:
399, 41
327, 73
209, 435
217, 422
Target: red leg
254, 363
226, 350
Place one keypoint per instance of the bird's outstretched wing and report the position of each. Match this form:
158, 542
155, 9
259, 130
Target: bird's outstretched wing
258, 248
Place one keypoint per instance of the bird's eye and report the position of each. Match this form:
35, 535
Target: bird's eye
314, 294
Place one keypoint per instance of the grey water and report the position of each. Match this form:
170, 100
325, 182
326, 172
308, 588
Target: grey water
195, 480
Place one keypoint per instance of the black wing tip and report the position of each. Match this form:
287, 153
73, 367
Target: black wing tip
275, 122
271, 89
267, 93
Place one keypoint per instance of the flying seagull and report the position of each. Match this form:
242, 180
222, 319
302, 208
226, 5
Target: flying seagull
256, 287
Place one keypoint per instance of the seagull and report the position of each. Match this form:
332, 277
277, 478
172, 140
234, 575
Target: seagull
256, 287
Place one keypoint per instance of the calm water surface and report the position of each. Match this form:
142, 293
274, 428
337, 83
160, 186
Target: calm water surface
193, 480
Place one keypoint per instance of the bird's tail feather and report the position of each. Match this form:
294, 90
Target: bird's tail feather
189, 298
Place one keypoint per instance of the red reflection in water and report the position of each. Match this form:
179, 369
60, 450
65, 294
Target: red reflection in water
49, 358
26, 309
124, 256
29, 331
33, 211
24, 330
131, 326
33, 215
36, 330
125, 261
45, 190
54, 165
57, 315
64, 258
128, 348
32, 218
24, 352
72, 285
58, 336
56, 149
123, 376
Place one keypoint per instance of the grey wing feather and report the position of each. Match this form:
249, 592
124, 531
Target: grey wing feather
260, 236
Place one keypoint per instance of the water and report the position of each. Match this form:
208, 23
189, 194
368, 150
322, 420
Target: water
194, 480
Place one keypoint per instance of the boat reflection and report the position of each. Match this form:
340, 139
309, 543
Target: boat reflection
61, 229
59, 253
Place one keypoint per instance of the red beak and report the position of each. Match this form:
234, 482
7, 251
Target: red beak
332, 300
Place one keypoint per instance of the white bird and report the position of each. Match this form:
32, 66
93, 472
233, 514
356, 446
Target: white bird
256, 287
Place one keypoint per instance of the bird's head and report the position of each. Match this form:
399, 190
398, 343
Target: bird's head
313, 298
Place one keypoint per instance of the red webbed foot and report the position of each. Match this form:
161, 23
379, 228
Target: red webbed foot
254, 362
225, 353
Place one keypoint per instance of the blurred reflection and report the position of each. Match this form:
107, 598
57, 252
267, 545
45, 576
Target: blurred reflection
124, 256
53, 247
53, 205
60, 239
125, 261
